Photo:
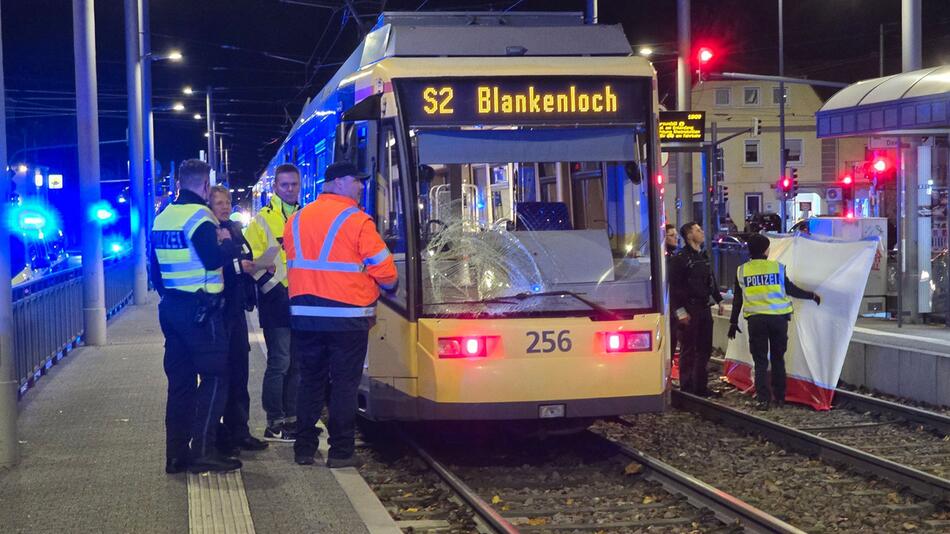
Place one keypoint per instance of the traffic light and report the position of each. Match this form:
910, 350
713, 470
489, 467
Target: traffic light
725, 194
794, 181
720, 163
756, 126
847, 195
879, 166
785, 186
704, 55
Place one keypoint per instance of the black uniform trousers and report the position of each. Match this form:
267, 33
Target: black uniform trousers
193, 410
695, 340
237, 409
768, 340
323, 357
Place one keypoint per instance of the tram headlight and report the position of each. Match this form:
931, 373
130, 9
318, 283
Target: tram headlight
615, 342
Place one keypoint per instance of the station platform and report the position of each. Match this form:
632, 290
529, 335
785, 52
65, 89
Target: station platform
912, 362
93, 458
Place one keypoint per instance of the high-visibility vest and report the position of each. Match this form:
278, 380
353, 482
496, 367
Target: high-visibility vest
335, 253
763, 288
178, 260
266, 230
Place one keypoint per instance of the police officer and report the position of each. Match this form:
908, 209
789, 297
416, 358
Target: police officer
336, 264
761, 292
266, 230
692, 290
671, 245
189, 251
239, 296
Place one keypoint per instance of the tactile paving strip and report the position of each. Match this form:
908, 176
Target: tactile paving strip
217, 504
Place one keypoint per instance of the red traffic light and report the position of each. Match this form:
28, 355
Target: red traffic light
847, 179
705, 54
880, 164
786, 183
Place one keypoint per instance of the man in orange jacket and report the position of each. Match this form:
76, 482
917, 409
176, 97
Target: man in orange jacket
336, 264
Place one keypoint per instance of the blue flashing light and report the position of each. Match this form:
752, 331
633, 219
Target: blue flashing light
102, 212
536, 288
32, 219
115, 247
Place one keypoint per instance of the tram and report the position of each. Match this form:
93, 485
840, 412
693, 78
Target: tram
515, 164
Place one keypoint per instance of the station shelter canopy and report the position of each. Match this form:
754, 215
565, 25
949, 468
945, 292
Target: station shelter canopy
907, 103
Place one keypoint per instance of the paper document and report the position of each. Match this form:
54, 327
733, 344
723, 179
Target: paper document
267, 258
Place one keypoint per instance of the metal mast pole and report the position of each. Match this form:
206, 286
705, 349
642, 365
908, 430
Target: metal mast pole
880, 53
9, 445
592, 11
781, 113
148, 119
908, 173
133, 77
210, 122
87, 115
684, 161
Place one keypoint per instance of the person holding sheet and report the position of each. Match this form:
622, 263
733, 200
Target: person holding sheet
762, 294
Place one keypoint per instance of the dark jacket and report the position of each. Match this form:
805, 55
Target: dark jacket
691, 280
205, 240
239, 292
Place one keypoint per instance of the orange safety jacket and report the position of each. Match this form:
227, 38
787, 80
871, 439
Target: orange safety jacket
336, 263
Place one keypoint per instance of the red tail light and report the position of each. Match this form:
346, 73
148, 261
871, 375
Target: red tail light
628, 341
463, 347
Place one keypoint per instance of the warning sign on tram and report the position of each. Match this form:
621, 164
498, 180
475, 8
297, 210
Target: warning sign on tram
682, 126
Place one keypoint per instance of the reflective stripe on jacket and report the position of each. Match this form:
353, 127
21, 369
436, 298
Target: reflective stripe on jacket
266, 230
335, 254
763, 288
180, 266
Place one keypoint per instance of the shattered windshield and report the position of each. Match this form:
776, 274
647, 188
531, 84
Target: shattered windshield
523, 237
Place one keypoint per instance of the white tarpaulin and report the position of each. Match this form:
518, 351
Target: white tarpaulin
818, 336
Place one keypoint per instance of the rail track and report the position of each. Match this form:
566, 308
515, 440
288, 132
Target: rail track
582, 483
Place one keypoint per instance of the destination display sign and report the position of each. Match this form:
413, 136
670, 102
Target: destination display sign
523, 100
682, 126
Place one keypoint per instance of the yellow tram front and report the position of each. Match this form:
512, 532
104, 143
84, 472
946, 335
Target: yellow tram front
525, 225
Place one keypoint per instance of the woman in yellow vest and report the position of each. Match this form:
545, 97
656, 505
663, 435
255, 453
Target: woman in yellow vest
762, 293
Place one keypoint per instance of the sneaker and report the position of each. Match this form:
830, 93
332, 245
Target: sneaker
762, 406
338, 463
280, 432
779, 404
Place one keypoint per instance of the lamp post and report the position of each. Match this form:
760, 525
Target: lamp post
209, 121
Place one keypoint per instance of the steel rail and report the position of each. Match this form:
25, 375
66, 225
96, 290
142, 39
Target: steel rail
482, 508
933, 420
727, 508
923, 484
929, 419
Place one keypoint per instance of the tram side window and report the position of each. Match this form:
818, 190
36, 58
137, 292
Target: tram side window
390, 210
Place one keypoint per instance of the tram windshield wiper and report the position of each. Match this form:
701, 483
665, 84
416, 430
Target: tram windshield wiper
602, 311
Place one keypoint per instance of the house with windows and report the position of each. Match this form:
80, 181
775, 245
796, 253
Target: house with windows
752, 162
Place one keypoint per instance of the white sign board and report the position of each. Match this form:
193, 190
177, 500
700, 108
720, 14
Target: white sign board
55, 181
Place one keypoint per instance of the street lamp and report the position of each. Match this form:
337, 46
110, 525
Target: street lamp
212, 156
198, 116
646, 51
178, 106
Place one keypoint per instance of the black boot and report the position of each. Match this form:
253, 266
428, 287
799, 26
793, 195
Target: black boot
214, 462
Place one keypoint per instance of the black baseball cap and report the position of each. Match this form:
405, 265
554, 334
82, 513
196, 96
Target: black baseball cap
339, 169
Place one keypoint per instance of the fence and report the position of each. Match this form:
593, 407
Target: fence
48, 316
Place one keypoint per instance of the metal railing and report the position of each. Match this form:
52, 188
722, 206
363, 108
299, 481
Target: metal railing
48, 315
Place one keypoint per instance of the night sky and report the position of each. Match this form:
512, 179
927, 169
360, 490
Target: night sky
227, 44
